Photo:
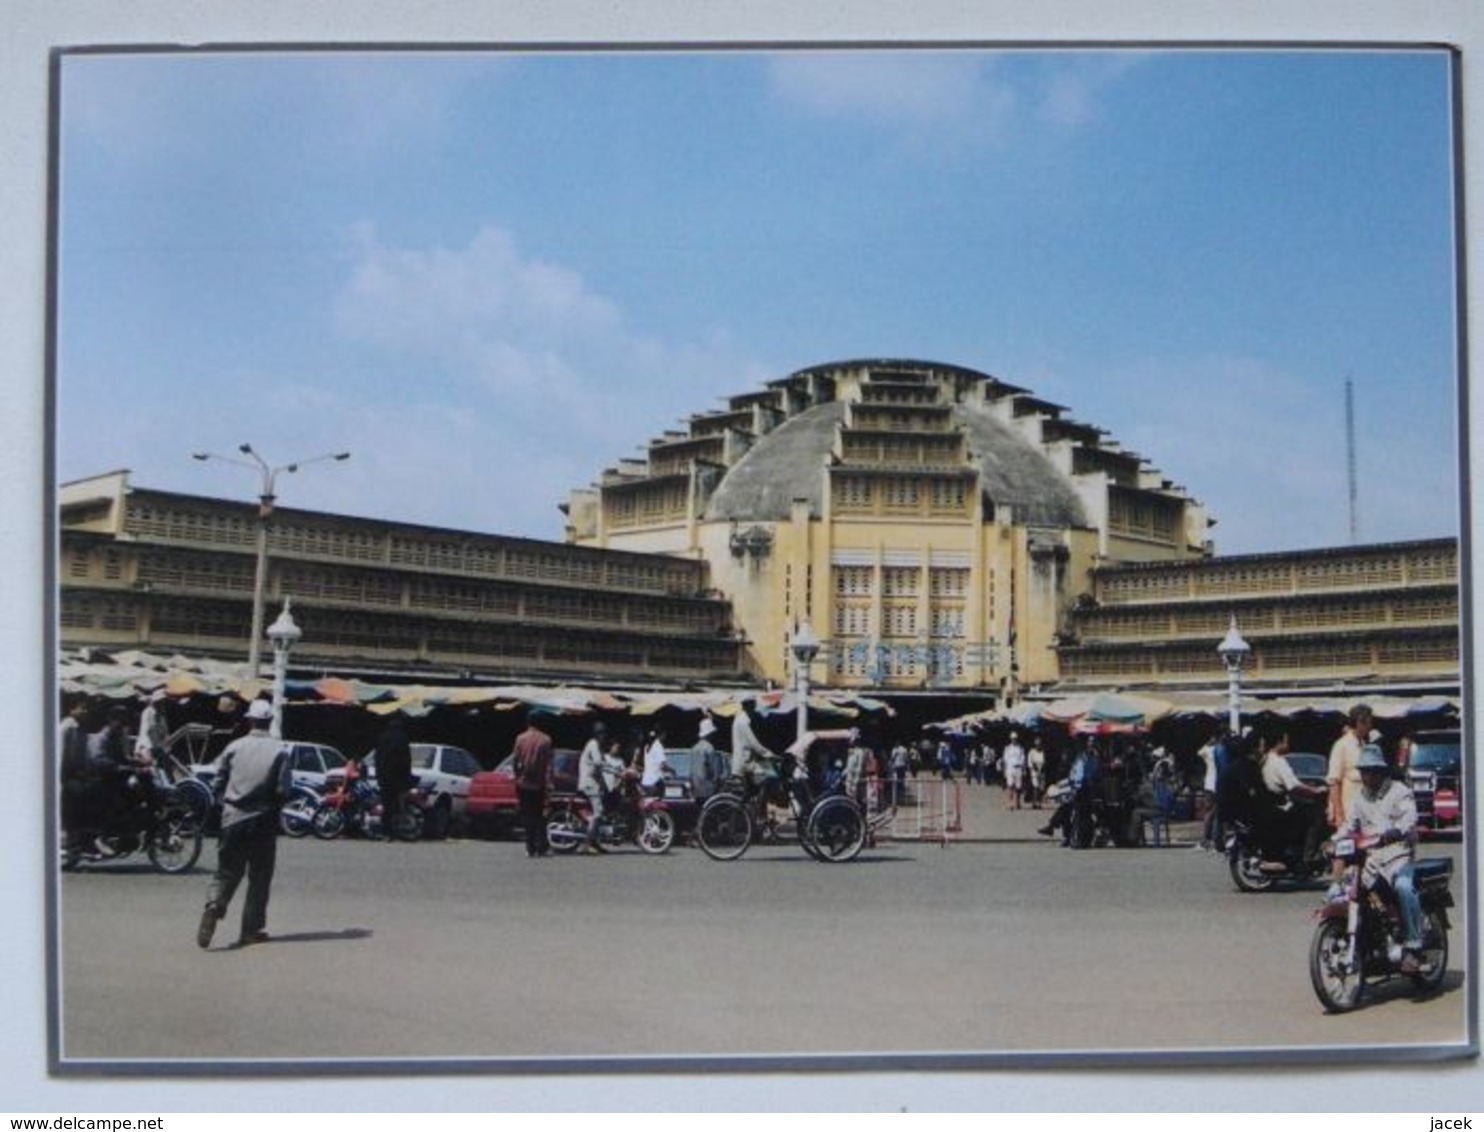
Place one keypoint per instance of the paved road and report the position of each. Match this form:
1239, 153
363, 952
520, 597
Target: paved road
470, 950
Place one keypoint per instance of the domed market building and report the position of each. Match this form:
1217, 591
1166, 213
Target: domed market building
935, 526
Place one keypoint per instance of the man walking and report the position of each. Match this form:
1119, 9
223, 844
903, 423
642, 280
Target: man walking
393, 772
1014, 759
532, 779
254, 776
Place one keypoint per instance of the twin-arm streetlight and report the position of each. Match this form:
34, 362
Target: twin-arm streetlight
266, 500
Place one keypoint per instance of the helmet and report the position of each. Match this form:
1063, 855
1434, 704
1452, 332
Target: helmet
259, 710
1371, 758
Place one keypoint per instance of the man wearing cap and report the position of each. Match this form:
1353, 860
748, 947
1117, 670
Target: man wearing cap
253, 777
1384, 809
704, 770
533, 779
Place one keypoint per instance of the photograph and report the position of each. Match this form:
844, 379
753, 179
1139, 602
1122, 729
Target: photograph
691, 559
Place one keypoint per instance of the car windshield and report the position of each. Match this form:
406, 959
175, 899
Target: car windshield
1305, 764
1435, 756
334, 760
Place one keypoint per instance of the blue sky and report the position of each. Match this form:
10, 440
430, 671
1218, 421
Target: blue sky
490, 276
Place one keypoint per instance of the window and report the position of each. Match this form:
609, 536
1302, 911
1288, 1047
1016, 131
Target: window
854, 581
851, 495
900, 581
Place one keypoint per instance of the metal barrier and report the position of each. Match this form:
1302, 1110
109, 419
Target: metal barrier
919, 808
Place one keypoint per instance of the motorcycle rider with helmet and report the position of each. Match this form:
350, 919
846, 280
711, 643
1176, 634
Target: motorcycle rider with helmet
1385, 809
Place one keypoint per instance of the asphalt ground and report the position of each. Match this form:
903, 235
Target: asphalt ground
995, 942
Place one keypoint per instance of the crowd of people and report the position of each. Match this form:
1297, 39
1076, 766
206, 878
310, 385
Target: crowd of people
1127, 780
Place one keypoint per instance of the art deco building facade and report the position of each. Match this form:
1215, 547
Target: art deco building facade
1383, 616
168, 572
939, 529
935, 525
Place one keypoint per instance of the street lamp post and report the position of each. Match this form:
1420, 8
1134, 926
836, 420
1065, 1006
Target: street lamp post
284, 634
805, 647
1233, 651
266, 499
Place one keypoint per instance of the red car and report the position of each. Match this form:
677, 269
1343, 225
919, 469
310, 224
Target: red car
1435, 775
492, 808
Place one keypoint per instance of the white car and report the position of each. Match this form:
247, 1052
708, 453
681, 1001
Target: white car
444, 772
313, 765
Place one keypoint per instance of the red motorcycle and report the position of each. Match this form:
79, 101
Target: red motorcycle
628, 816
354, 804
1357, 942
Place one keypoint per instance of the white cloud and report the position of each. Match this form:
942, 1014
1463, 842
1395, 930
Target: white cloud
900, 87
522, 381
936, 89
483, 313
1074, 85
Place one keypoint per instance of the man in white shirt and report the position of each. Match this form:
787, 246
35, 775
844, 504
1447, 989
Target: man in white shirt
1299, 813
751, 761
154, 731
1014, 756
655, 767
591, 782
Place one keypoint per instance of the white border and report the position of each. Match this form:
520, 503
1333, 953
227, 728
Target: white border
34, 27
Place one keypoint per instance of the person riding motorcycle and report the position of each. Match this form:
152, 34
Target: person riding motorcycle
1384, 809
1298, 811
1082, 779
121, 781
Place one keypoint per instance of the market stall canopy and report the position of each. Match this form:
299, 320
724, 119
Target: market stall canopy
133, 674
1107, 708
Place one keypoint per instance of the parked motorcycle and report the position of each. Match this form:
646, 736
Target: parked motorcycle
1257, 864
355, 806
1357, 942
646, 822
296, 816
160, 821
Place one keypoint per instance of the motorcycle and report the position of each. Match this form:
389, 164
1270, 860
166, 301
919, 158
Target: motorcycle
1088, 820
1259, 865
1357, 941
627, 817
296, 816
355, 805
155, 818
